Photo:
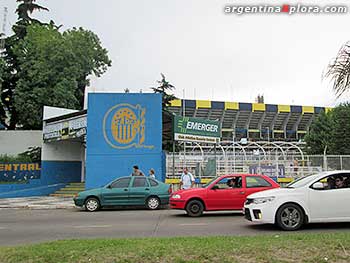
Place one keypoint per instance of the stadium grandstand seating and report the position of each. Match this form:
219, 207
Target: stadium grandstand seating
256, 121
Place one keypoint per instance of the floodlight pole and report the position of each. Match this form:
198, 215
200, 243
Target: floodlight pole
233, 150
184, 115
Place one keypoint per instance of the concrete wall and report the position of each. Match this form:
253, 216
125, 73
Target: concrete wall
62, 151
60, 165
15, 142
61, 161
112, 120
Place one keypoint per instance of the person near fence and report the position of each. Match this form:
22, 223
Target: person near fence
186, 180
152, 174
296, 166
136, 171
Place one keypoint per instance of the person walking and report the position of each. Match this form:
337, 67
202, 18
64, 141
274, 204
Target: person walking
137, 171
187, 180
152, 174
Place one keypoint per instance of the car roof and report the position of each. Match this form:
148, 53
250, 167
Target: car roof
233, 175
328, 173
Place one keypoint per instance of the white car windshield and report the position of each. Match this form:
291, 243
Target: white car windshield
301, 182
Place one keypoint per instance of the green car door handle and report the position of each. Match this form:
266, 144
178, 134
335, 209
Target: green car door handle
125, 189
147, 189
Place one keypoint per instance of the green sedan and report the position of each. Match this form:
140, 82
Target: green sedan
126, 191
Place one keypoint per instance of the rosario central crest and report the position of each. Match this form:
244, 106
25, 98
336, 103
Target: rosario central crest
124, 126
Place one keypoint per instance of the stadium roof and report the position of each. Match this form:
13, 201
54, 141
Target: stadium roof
254, 120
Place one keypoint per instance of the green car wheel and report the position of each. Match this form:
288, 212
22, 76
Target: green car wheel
153, 203
92, 204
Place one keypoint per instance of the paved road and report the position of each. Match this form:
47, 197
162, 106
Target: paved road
31, 226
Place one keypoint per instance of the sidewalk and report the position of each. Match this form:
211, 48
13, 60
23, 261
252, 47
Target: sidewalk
37, 202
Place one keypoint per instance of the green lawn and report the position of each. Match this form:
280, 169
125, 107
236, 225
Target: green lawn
278, 248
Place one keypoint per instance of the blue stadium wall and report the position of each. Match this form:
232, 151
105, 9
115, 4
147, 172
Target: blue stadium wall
123, 130
53, 176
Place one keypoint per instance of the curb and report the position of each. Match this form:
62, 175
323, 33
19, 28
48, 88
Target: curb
39, 207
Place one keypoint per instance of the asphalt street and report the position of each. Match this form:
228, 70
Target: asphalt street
23, 226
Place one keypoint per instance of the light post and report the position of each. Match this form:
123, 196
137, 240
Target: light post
184, 115
268, 139
233, 150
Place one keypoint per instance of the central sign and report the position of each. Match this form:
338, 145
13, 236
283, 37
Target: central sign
196, 130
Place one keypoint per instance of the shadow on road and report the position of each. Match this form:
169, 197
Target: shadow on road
212, 214
309, 227
122, 208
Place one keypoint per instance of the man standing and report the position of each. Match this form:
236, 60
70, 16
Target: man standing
137, 171
187, 180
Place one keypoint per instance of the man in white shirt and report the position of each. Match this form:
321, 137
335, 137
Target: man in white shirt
187, 180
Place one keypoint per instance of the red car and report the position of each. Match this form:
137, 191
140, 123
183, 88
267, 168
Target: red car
227, 192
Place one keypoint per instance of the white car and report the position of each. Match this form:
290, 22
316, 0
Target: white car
323, 197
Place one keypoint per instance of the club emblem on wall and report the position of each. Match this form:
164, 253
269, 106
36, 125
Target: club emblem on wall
124, 126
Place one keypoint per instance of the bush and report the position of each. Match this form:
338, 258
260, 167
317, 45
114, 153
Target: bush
33, 154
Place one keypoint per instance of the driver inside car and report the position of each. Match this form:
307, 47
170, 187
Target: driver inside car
339, 182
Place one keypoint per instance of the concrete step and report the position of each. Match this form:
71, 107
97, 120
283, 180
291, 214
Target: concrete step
77, 184
70, 190
77, 189
63, 195
62, 191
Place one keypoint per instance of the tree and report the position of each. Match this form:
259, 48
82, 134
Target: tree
9, 75
54, 70
89, 57
331, 130
45, 67
319, 136
340, 140
164, 88
339, 70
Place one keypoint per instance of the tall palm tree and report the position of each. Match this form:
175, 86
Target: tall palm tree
338, 70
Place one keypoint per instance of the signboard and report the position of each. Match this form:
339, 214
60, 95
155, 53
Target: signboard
196, 130
268, 170
68, 129
19, 172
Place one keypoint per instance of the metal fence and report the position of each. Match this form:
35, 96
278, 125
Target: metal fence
289, 166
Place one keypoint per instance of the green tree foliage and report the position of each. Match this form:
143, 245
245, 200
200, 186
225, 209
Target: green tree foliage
54, 70
340, 140
331, 130
319, 136
45, 67
9, 74
165, 88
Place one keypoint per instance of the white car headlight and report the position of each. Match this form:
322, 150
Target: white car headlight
263, 200
176, 196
